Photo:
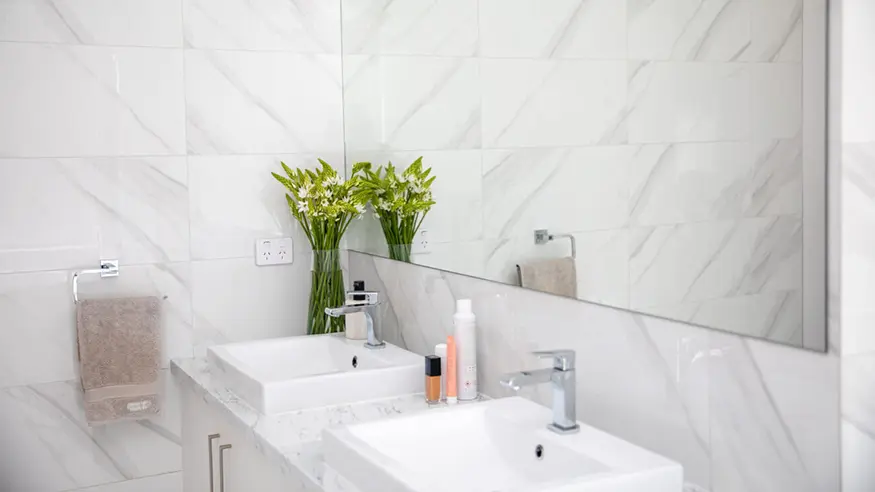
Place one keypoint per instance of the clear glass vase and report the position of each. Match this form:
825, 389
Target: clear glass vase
327, 291
400, 252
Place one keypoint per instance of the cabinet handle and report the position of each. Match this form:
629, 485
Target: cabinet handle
222, 449
210, 439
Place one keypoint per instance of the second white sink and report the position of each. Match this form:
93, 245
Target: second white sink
494, 446
285, 374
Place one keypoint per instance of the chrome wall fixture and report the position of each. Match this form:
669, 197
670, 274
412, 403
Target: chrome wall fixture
108, 268
543, 236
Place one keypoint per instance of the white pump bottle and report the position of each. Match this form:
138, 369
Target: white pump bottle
466, 350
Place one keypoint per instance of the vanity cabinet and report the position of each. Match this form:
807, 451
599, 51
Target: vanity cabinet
237, 465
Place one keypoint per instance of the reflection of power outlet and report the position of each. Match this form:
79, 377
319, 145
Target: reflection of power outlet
421, 245
274, 251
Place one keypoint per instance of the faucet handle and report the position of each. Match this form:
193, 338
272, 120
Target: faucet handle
563, 360
370, 298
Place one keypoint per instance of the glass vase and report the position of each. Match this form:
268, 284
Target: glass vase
400, 252
327, 291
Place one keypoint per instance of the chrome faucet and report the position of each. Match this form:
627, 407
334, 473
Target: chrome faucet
368, 306
562, 377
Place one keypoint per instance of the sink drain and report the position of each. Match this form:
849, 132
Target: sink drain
355, 361
539, 452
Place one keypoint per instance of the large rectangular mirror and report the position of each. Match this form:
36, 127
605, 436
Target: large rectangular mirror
661, 156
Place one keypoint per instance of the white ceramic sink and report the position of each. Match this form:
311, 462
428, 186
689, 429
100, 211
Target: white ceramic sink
285, 374
492, 447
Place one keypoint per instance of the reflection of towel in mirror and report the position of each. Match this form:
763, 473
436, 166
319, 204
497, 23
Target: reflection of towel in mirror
119, 357
554, 276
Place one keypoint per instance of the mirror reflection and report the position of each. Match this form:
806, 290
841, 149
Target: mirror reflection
663, 157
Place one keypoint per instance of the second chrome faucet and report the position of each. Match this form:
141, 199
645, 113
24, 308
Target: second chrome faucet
562, 377
369, 307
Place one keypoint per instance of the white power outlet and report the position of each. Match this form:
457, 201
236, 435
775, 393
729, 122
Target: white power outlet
421, 246
274, 251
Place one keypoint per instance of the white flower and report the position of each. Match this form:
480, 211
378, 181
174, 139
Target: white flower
302, 207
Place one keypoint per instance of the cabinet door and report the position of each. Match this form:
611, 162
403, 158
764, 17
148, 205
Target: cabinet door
246, 469
198, 424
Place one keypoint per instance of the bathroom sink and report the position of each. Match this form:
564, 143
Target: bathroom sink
493, 446
285, 374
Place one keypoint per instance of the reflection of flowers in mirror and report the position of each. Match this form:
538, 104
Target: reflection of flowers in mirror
400, 201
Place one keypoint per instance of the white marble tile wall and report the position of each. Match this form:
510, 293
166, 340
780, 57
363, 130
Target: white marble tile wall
741, 415
631, 124
856, 133
146, 131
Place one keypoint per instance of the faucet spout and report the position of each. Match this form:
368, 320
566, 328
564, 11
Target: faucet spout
344, 310
368, 308
527, 378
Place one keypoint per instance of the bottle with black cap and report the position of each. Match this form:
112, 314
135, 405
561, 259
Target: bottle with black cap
356, 326
432, 379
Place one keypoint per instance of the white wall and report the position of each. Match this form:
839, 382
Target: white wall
145, 131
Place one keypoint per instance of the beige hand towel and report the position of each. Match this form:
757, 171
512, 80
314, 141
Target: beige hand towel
553, 276
119, 357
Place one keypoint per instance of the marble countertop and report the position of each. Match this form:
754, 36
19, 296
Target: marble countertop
291, 440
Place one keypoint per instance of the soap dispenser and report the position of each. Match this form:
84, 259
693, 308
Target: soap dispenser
356, 324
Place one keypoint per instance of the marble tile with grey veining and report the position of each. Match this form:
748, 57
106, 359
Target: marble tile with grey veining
775, 316
538, 103
396, 103
523, 190
245, 102
268, 302
38, 341
48, 445
226, 224
680, 183
710, 260
777, 100
705, 30
775, 31
72, 101
580, 29
301, 26
673, 102
142, 204
411, 27
774, 424
93, 22
132, 209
